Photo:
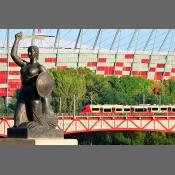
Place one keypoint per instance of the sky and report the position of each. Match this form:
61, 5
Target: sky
122, 42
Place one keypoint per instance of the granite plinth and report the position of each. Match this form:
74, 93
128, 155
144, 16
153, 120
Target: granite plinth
37, 141
39, 133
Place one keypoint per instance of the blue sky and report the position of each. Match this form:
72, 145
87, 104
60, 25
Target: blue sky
106, 37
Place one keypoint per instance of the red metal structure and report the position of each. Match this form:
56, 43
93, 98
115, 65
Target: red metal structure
79, 124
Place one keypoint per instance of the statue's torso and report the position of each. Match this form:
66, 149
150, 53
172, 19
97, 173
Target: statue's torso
29, 74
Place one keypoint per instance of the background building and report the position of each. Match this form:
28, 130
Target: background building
149, 53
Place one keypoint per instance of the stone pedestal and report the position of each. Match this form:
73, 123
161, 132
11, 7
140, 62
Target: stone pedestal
36, 136
39, 135
38, 132
37, 141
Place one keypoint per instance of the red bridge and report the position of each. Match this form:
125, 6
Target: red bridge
79, 124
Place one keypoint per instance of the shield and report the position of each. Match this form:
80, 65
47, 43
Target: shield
44, 84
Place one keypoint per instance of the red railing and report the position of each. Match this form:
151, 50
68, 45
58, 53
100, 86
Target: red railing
79, 124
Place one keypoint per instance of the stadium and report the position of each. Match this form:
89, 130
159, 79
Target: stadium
149, 53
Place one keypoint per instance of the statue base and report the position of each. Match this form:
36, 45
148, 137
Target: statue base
25, 136
37, 141
37, 133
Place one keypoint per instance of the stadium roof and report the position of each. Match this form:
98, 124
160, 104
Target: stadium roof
107, 40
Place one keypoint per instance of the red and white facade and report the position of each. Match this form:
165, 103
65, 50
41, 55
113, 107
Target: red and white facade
157, 66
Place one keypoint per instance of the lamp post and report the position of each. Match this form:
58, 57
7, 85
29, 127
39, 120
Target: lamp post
74, 107
60, 105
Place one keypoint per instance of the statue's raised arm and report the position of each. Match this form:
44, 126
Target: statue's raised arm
14, 50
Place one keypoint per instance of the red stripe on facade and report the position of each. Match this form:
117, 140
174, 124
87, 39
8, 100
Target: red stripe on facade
14, 72
129, 56
111, 68
118, 72
127, 68
144, 73
3, 91
91, 64
152, 69
173, 70
3, 60
52, 60
109, 72
167, 74
139, 73
14, 84
3, 80
158, 73
145, 60
11, 92
101, 68
105, 68
158, 76
119, 64
3, 73
136, 73
24, 55
160, 65
12, 64
14, 80
101, 60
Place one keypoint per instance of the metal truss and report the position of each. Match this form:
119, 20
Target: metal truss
164, 40
132, 38
114, 39
149, 38
96, 39
57, 38
78, 37
79, 124
92, 124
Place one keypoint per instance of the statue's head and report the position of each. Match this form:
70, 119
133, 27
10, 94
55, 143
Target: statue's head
33, 52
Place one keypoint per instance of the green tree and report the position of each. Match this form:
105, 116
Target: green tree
2, 105
67, 84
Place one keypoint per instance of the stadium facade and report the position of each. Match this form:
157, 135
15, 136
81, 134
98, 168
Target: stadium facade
155, 65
